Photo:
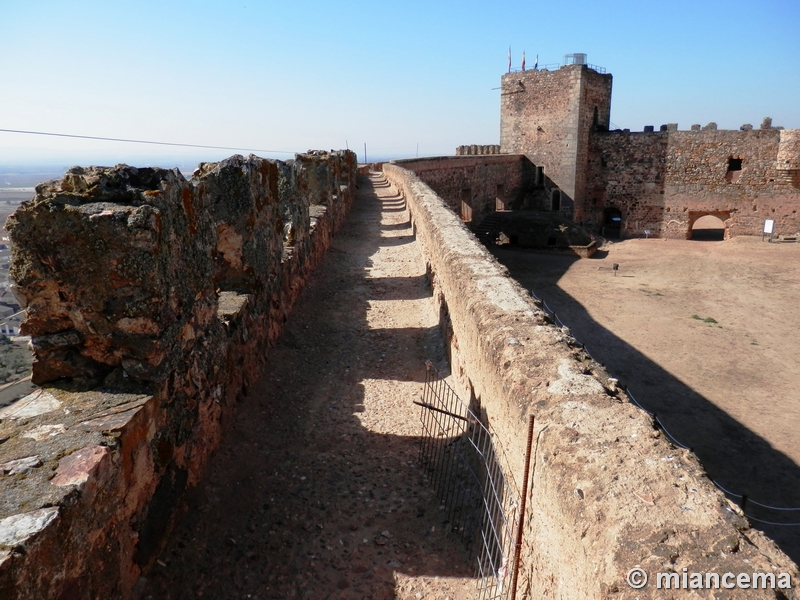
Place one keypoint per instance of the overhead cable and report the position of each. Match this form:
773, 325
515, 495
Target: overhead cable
109, 139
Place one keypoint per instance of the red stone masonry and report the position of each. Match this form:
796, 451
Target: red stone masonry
478, 180
152, 301
661, 182
547, 116
664, 181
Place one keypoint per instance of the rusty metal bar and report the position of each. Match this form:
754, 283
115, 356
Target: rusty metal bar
521, 520
444, 412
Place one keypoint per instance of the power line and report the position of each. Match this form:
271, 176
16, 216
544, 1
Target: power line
108, 139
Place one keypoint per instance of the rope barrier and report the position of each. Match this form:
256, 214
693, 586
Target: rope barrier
630, 395
772, 507
772, 522
672, 437
726, 491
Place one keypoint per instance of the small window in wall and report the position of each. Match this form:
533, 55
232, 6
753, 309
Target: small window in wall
539, 176
466, 205
555, 200
500, 197
734, 169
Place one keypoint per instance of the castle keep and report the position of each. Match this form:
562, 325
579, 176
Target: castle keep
626, 183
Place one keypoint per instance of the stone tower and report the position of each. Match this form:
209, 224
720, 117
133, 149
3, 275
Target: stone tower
548, 116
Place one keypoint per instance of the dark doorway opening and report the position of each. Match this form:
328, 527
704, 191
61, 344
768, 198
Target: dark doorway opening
555, 200
466, 205
612, 222
500, 197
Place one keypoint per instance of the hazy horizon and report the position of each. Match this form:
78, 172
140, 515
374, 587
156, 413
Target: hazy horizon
266, 76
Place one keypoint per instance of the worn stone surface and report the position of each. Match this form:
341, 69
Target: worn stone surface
18, 528
608, 492
151, 303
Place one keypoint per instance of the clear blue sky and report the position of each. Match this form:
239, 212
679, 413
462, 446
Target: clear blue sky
298, 75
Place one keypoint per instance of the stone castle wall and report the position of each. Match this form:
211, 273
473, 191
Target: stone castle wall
664, 181
594, 108
607, 491
546, 115
481, 179
152, 301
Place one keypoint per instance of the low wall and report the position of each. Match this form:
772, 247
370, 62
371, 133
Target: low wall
479, 180
608, 492
152, 301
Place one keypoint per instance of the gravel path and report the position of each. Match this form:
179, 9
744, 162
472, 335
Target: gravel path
316, 492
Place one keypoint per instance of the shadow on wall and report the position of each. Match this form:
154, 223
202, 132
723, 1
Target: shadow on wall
733, 455
298, 499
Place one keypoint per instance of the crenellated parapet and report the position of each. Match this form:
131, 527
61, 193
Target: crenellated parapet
477, 150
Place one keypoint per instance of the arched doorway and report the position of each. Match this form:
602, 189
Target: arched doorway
707, 228
612, 222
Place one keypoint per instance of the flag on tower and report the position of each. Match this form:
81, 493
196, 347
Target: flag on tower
536, 64
509, 59
523, 60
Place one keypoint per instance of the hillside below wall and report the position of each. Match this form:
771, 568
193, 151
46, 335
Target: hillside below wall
608, 492
152, 301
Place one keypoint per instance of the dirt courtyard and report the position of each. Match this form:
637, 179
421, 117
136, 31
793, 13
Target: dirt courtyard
705, 335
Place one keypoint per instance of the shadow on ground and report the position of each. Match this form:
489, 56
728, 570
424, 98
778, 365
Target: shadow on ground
733, 455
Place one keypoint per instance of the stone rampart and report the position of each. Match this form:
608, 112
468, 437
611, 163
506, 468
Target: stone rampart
608, 492
152, 301
482, 182
663, 181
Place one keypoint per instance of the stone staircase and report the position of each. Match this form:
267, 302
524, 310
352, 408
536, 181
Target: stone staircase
486, 231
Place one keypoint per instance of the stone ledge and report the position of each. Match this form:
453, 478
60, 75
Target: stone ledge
608, 491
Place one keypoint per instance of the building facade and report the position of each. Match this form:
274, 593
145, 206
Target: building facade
649, 183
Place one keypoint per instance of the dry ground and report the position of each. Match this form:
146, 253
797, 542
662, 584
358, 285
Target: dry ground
316, 492
705, 334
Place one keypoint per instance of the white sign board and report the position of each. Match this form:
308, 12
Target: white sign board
769, 225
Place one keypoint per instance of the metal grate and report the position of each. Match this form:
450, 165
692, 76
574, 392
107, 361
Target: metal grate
467, 467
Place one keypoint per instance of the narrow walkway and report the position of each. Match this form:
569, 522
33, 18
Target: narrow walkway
316, 492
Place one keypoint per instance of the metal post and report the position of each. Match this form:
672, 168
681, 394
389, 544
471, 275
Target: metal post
523, 503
